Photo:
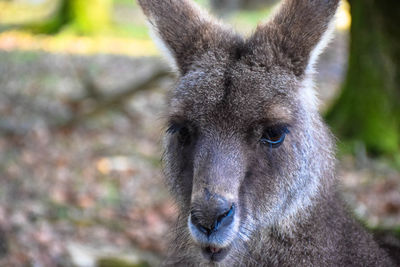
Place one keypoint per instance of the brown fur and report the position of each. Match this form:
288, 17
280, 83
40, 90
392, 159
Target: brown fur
230, 90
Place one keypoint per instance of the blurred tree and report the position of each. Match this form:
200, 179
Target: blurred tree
90, 15
84, 16
55, 22
368, 109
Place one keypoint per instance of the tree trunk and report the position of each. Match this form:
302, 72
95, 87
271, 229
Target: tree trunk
90, 15
55, 22
368, 109
85, 16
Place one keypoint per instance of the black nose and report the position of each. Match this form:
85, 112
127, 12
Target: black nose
210, 223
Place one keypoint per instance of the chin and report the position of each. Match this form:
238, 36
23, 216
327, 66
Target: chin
214, 255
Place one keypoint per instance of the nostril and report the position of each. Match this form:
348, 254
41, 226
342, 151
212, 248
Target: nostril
222, 220
195, 221
226, 214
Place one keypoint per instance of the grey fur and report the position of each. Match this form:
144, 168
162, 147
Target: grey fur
229, 90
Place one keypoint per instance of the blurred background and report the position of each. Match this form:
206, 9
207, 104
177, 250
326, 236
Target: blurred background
82, 95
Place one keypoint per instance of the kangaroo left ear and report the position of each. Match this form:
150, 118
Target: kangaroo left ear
184, 30
297, 34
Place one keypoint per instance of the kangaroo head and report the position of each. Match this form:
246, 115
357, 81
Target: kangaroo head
245, 147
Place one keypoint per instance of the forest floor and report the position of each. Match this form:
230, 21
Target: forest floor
74, 195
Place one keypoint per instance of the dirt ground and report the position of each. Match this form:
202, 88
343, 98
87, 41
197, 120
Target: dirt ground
72, 195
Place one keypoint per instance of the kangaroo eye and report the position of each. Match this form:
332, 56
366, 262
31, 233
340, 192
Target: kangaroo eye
182, 131
173, 128
274, 136
184, 135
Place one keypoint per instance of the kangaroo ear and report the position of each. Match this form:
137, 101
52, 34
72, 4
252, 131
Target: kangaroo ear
183, 30
296, 35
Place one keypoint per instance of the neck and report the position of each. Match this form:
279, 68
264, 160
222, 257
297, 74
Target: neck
326, 237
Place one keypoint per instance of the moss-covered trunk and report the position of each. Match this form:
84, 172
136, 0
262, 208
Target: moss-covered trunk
85, 16
90, 15
368, 109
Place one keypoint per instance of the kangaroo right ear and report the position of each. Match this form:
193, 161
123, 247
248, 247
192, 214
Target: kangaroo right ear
296, 34
184, 30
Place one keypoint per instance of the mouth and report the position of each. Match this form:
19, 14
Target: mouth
215, 254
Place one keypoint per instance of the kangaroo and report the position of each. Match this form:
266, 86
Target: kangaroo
247, 157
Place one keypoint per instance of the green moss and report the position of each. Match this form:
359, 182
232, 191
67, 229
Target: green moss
54, 23
90, 15
115, 262
368, 109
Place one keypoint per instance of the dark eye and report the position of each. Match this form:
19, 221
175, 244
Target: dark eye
274, 136
182, 131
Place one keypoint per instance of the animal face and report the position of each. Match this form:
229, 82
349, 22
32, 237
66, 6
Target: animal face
245, 146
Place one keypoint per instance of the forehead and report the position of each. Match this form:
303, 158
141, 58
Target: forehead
235, 92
